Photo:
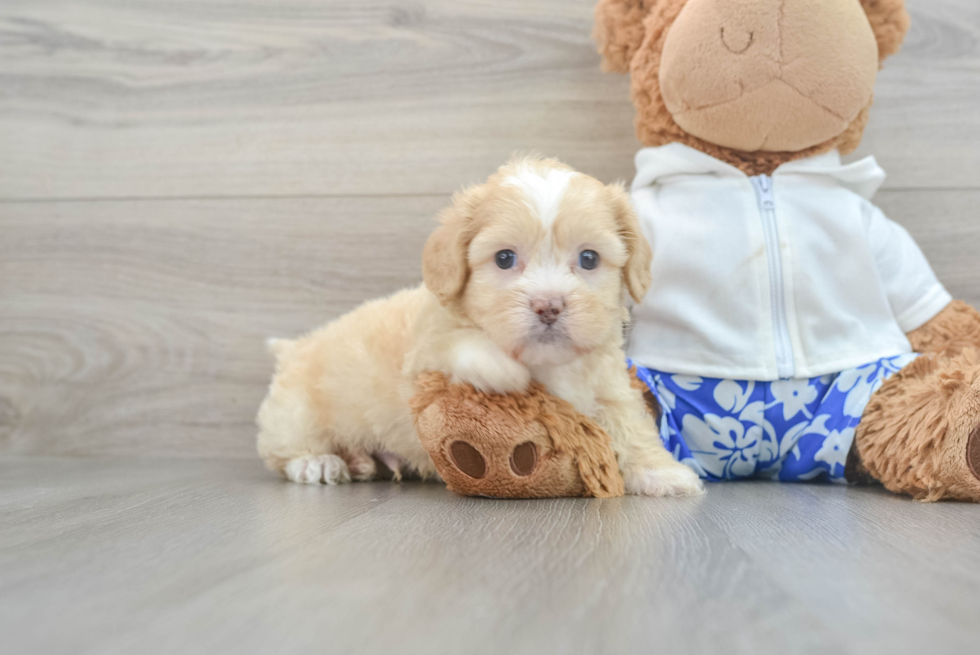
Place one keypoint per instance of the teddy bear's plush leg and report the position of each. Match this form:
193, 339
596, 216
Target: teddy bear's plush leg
920, 434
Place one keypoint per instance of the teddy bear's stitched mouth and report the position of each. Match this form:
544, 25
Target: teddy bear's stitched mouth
736, 50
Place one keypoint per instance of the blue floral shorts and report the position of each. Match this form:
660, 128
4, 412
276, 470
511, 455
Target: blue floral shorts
791, 430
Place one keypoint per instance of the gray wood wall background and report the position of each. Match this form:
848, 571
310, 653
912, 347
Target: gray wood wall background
181, 179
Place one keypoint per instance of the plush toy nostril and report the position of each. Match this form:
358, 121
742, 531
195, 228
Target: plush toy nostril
468, 459
524, 458
973, 453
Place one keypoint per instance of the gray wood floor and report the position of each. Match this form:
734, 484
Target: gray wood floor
166, 556
181, 180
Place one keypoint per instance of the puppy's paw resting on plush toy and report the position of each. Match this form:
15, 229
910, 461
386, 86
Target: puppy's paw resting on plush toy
672, 480
478, 362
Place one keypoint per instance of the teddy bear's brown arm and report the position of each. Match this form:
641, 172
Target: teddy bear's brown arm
948, 332
618, 31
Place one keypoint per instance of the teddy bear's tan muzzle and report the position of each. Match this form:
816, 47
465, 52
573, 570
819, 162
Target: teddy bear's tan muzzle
770, 75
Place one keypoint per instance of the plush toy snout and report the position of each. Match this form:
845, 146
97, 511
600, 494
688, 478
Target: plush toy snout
480, 451
529, 445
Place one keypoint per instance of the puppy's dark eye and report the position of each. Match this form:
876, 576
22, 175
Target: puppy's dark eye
588, 260
506, 259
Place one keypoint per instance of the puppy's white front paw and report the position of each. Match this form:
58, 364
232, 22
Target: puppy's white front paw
488, 369
314, 469
677, 480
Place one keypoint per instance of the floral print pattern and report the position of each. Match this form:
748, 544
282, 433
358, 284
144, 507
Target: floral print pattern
789, 430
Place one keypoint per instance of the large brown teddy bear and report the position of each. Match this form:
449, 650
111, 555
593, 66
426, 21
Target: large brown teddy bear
779, 338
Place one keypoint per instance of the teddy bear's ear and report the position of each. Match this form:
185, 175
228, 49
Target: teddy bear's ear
636, 272
444, 258
619, 31
890, 22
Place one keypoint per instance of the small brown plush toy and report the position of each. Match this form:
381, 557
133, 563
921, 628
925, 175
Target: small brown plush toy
529, 445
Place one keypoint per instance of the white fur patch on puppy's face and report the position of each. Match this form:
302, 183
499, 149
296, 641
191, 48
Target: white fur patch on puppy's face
543, 190
545, 267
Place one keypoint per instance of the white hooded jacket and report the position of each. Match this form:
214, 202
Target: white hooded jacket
794, 275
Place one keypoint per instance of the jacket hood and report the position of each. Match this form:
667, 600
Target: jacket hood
653, 165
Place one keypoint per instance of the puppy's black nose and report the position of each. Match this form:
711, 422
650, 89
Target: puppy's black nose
548, 310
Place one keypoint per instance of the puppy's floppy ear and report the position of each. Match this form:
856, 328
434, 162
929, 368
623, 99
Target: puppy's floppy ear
444, 260
636, 272
890, 22
618, 31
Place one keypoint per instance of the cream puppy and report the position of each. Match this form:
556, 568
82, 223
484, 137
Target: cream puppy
527, 277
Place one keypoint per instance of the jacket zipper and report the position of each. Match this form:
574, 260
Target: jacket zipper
785, 366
